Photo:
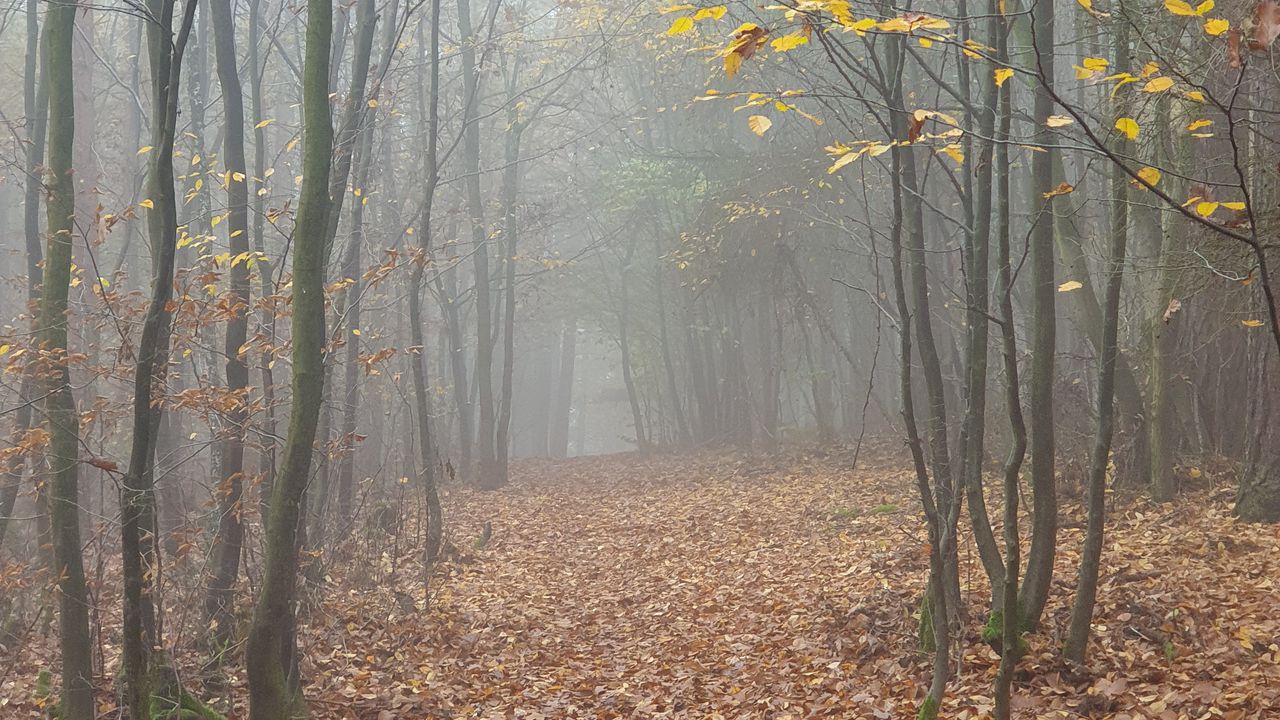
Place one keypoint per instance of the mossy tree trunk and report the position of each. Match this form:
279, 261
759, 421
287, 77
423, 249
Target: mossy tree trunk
273, 693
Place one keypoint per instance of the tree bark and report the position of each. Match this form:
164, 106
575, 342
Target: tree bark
229, 537
60, 408
1044, 529
273, 694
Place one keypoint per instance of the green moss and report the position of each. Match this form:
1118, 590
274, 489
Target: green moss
928, 709
845, 514
884, 509
925, 629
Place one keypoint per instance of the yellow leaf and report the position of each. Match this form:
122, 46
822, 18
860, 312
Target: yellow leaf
1129, 127
674, 8
759, 124
264, 123
789, 42
732, 62
1149, 175
1216, 26
355, 331
682, 24
147, 204
373, 102
1204, 208
1002, 74
4, 349
1057, 121
1192, 127
1195, 473
1195, 96
1157, 85
1233, 205
1251, 323
1070, 285
1095, 63
1179, 7
841, 162
1086, 4
1204, 7
145, 149
954, 152
715, 13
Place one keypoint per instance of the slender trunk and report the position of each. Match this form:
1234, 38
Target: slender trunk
225, 561
137, 495
1044, 529
273, 694
480, 241
1163, 330
1011, 625
267, 452
977, 297
426, 445
35, 98
60, 408
1091, 556
624, 344
510, 236
562, 407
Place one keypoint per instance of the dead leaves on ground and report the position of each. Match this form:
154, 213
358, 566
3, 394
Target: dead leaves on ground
769, 586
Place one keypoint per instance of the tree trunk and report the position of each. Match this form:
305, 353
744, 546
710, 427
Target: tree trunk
273, 694
480, 241
225, 560
1044, 529
1091, 556
558, 441
60, 408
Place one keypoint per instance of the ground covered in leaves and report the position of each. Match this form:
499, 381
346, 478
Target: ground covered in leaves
779, 586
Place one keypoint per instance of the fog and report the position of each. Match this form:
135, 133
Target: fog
316, 319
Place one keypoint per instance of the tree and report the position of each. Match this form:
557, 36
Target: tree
60, 408
269, 655
225, 561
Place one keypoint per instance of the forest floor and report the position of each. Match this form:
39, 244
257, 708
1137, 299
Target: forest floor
763, 586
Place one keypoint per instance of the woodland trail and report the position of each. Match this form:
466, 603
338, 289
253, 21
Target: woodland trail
752, 586
784, 586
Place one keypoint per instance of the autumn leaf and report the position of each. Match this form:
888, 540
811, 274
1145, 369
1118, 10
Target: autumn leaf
147, 204
787, 43
145, 149
1129, 127
1149, 175
1002, 74
1171, 309
713, 13
1266, 27
1057, 121
1182, 8
1070, 285
1088, 5
1216, 26
1198, 124
1205, 208
1158, 85
759, 124
682, 24
1252, 323
1062, 189
264, 123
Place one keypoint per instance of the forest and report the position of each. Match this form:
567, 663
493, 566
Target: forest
532, 359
